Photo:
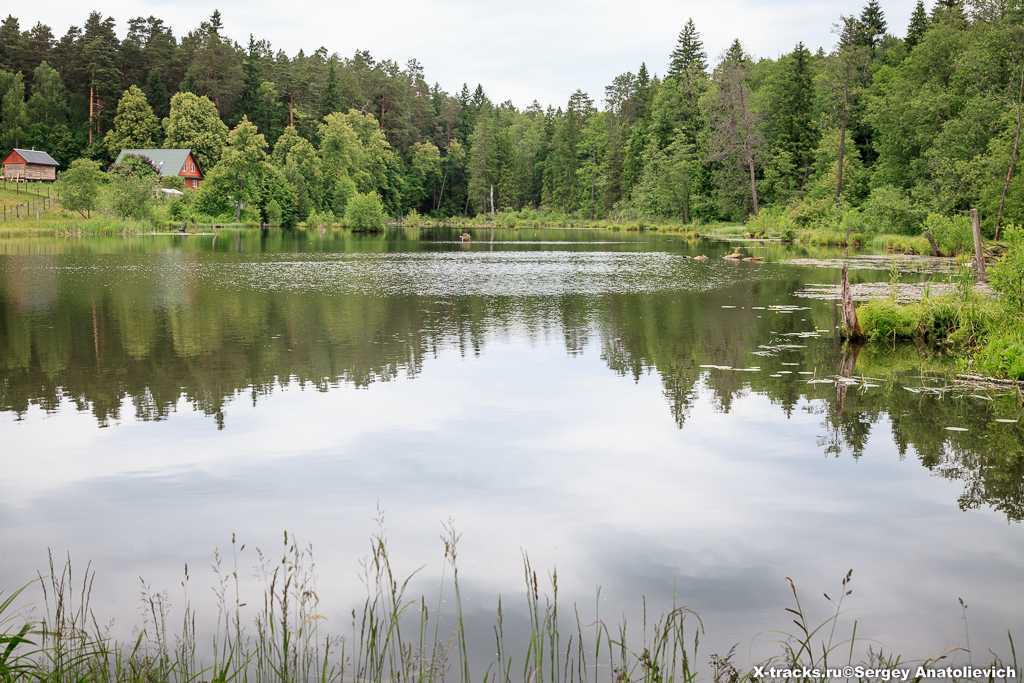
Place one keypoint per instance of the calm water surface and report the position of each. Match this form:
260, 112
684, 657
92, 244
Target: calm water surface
549, 391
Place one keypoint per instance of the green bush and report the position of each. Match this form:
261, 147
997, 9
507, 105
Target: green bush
327, 217
365, 213
1003, 353
273, 210
79, 186
884, 319
129, 195
889, 210
1007, 275
952, 234
413, 219
774, 220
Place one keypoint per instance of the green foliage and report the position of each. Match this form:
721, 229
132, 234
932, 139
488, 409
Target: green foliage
129, 196
888, 210
274, 187
79, 186
173, 182
412, 219
273, 211
135, 126
13, 115
365, 213
194, 124
1002, 355
1007, 274
952, 234
932, 319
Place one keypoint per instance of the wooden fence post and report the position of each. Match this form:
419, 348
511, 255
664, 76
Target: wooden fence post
979, 252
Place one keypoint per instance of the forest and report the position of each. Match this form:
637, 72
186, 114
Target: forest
880, 134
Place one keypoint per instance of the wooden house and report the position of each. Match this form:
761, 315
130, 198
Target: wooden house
180, 162
28, 164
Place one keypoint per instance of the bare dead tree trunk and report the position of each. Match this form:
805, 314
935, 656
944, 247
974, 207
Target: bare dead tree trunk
492, 202
92, 89
979, 251
1013, 156
853, 331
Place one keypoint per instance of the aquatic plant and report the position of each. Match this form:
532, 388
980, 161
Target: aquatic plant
394, 638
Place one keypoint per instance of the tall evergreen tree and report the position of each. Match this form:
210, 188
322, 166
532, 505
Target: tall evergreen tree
872, 24
156, 94
791, 105
918, 25
101, 71
215, 65
688, 54
330, 97
10, 44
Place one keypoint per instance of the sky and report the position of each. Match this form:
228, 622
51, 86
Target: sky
519, 51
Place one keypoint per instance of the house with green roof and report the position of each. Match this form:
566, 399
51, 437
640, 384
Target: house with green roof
169, 162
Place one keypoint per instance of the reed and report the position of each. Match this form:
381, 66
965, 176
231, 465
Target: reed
395, 638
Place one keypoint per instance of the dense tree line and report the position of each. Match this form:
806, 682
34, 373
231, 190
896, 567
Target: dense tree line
877, 133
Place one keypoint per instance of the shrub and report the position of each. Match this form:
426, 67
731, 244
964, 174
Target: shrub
79, 186
1007, 275
889, 210
1003, 353
774, 220
952, 234
273, 210
129, 195
327, 217
883, 319
365, 213
413, 219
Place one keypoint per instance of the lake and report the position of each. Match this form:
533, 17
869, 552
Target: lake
642, 422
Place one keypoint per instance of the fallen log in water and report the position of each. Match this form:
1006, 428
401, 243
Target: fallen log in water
991, 380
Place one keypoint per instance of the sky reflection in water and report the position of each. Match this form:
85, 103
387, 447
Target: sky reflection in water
545, 399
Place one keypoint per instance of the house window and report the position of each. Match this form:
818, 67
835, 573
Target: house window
193, 167
194, 184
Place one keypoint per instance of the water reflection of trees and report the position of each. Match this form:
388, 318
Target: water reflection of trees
150, 342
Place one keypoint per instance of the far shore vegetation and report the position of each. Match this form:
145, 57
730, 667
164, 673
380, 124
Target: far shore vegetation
885, 139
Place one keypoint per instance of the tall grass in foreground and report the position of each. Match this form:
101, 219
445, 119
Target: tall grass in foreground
393, 638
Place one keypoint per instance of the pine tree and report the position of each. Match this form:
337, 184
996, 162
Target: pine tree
10, 44
735, 52
948, 10
156, 94
330, 96
688, 54
872, 20
792, 110
100, 71
918, 25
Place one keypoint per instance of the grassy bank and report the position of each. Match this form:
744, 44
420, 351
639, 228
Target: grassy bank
988, 333
399, 637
